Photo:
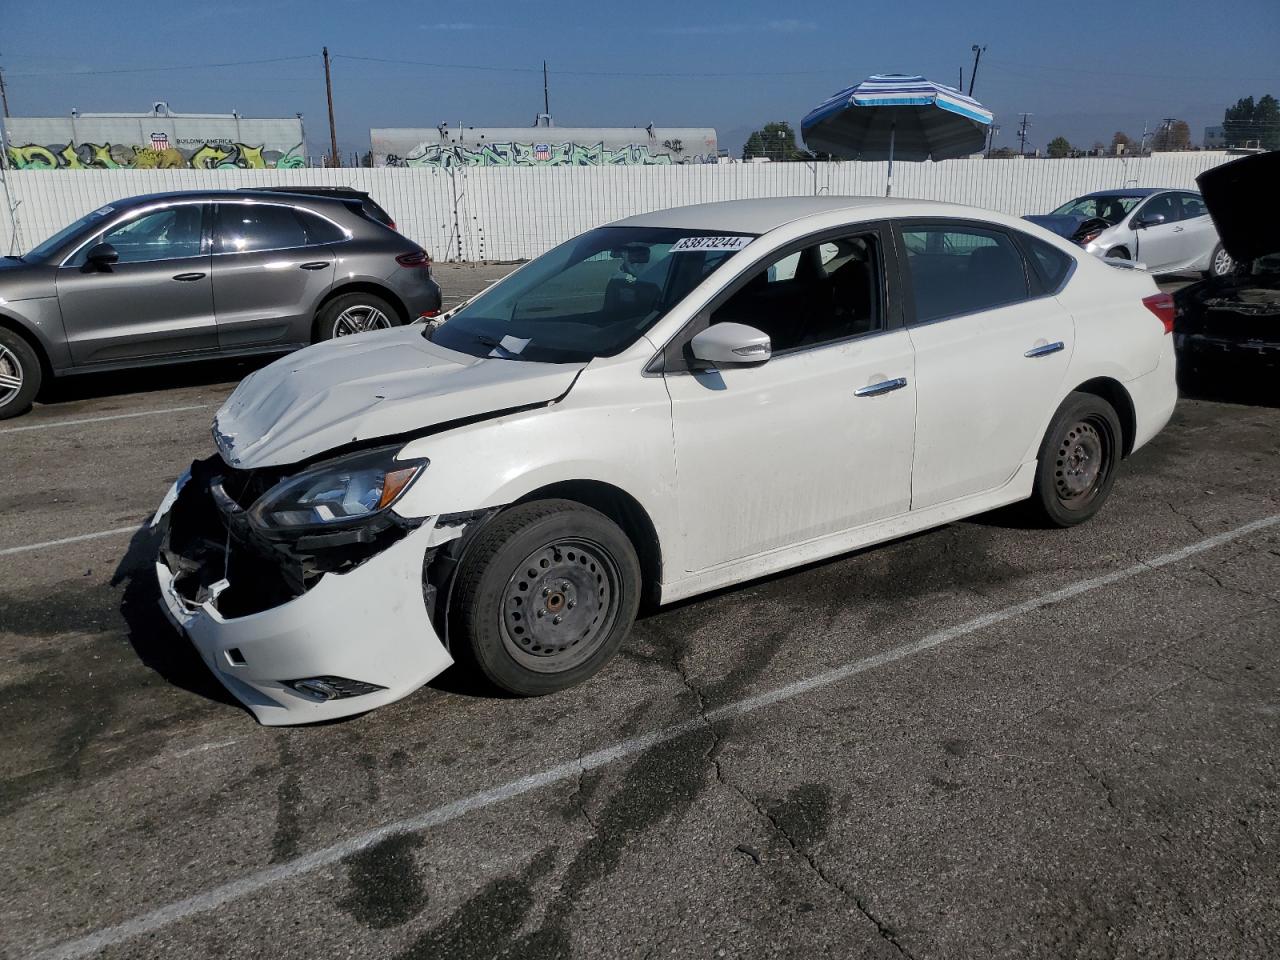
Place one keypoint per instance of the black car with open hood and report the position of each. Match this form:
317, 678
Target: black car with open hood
1230, 326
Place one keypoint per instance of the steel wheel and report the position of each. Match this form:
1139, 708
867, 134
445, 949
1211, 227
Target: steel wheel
1222, 263
12, 376
359, 319
560, 605
1083, 461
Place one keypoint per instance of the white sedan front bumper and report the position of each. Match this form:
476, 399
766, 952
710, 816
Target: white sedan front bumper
369, 625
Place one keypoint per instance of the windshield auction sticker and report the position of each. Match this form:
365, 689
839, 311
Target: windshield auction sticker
709, 244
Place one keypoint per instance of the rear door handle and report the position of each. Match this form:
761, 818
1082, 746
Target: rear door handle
314, 265
1045, 349
188, 277
884, 386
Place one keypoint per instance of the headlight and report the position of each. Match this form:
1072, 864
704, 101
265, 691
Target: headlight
346, 490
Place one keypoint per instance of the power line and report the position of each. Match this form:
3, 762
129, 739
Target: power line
490, 68
181, 66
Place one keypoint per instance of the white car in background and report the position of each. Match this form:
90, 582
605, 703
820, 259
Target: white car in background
1167, 231
667, 405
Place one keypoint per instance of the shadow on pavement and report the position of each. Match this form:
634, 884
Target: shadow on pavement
201, 373
155, 640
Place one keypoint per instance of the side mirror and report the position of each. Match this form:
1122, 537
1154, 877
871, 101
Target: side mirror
731, 343
1148, 220
101, 255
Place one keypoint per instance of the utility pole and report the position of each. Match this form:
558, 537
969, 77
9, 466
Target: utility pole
992, 131
333, 131
546, 94
973, 74
1022, 134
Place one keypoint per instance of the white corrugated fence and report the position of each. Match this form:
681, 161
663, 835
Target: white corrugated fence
511, 213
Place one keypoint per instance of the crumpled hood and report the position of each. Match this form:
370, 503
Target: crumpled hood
1244, 201
1064, 225
368, 386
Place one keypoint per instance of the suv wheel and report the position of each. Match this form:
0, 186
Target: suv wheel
545, 596
20, 374
354, 313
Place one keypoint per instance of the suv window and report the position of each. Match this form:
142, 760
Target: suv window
962, 269
244, 227
826, 292
167, 234
317, 229
1192, 206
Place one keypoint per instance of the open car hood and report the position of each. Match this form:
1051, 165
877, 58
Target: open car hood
1063, 224
1243, 198
368, 386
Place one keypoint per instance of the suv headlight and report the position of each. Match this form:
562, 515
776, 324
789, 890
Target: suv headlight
343, 491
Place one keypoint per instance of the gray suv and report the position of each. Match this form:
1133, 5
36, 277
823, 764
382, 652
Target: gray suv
188, 276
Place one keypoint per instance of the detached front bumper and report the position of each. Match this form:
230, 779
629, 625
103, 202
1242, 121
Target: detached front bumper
365, 635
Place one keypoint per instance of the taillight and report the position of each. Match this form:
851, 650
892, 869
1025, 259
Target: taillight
1161, 304
418, 258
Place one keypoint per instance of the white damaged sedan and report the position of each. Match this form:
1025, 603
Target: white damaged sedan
659, 407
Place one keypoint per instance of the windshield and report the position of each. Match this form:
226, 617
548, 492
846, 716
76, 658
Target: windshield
51, 246
1111, 209
590, 297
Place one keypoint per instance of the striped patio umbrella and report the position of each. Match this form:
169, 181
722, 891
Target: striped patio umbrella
897, 117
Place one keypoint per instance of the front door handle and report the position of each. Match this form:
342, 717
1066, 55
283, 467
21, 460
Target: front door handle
884, 386
314, 265
1045, 349
188, 277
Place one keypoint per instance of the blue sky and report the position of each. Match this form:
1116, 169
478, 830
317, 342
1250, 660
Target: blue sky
1083, 69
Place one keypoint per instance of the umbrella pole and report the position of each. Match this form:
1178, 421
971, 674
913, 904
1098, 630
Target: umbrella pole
888, 187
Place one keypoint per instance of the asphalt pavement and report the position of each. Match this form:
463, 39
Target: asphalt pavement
988, 740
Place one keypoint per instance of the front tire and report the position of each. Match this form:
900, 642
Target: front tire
1220, 263
354, 313
1077, 461
20, 374
544, 597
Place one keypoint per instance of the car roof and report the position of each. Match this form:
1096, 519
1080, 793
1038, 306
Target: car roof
761, 216
241, 195
1131, 192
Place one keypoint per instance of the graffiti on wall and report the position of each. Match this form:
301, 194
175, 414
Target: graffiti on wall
516, 154
156, 155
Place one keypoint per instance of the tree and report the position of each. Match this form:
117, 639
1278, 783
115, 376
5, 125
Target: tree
1175, 135
776, 141
1059, 147
1003, 153
1249, 123
1121, 139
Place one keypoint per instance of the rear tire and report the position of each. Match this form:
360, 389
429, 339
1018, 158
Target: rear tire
20, 374
354, 313
544, 597
1220, 264
1077, 461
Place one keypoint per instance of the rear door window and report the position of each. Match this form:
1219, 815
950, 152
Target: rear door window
1192, 206
245, 227
958, 269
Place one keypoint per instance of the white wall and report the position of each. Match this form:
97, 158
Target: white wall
497, 213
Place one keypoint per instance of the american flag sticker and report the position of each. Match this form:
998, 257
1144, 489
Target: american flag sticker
159, 141
542, 151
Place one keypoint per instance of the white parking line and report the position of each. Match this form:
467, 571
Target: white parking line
115, 416
118, 531
235, 889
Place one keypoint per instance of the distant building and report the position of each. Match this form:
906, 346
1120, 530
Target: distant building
158, 138
542, 145
1214, 138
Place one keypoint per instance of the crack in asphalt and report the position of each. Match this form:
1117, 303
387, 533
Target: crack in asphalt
576, 796
1187, 517
1099, 779
885, 932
